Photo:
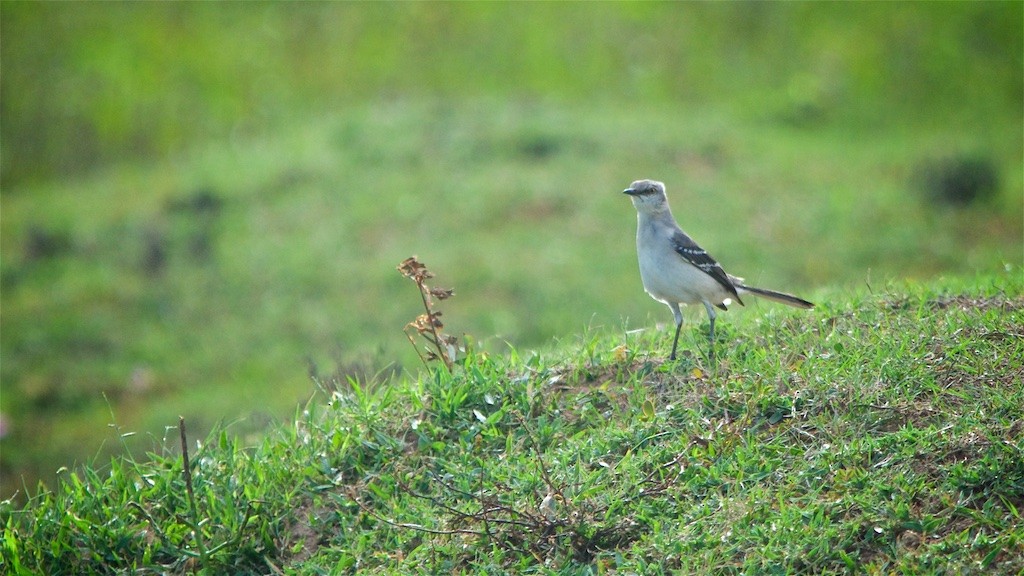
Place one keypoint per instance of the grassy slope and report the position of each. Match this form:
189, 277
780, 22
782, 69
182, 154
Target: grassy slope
879, 432
500, 166
518, 205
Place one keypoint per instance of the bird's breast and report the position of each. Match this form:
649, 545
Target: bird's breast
669, 278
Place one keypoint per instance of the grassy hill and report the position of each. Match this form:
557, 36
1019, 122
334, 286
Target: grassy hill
879, 433
210, 286
204, 204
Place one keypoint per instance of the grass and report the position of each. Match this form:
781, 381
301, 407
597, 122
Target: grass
158, 268
208, 295
878, 433
129, 74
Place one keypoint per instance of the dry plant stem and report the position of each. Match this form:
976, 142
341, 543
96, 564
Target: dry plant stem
441, 349
427, 325
423, 359
540, 459
483, 508
484, 515
367, 510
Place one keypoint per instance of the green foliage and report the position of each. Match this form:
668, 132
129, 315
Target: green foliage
201, 200
203, 296
146, 80
878, 433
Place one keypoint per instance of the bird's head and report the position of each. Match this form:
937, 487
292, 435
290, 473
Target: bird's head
648, 196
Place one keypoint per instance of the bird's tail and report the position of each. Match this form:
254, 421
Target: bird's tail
780, 297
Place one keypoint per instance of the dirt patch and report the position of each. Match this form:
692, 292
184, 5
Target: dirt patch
301, 540
960, 302
977, 303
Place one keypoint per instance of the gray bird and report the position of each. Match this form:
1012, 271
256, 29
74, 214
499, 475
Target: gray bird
675, 270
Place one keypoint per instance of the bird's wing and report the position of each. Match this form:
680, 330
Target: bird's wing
694, 254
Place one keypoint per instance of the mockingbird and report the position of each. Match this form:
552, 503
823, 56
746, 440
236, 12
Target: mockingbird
675, 270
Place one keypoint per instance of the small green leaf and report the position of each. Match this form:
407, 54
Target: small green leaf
495, 417
991, 557
648, 409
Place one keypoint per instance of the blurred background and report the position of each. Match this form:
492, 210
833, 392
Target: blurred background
203, 204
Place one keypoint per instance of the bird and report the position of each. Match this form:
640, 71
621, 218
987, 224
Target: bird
675, 270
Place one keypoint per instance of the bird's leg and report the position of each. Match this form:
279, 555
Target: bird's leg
711, 333
679, 324
675, 342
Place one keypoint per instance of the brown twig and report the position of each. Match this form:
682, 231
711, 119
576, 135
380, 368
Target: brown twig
540, 459
428, 323
420, 528
485, 514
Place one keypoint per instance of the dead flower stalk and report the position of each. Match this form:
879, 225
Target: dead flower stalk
440, 346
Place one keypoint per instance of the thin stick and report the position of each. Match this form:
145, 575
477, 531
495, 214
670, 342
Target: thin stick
540, 459
187, 468
433, 329
415, 346
366, 509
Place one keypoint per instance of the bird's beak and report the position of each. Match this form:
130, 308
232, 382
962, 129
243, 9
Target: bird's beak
629, 191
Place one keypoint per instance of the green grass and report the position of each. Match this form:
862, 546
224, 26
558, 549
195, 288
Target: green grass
300, 255
152, 267
151, 80
879, 433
